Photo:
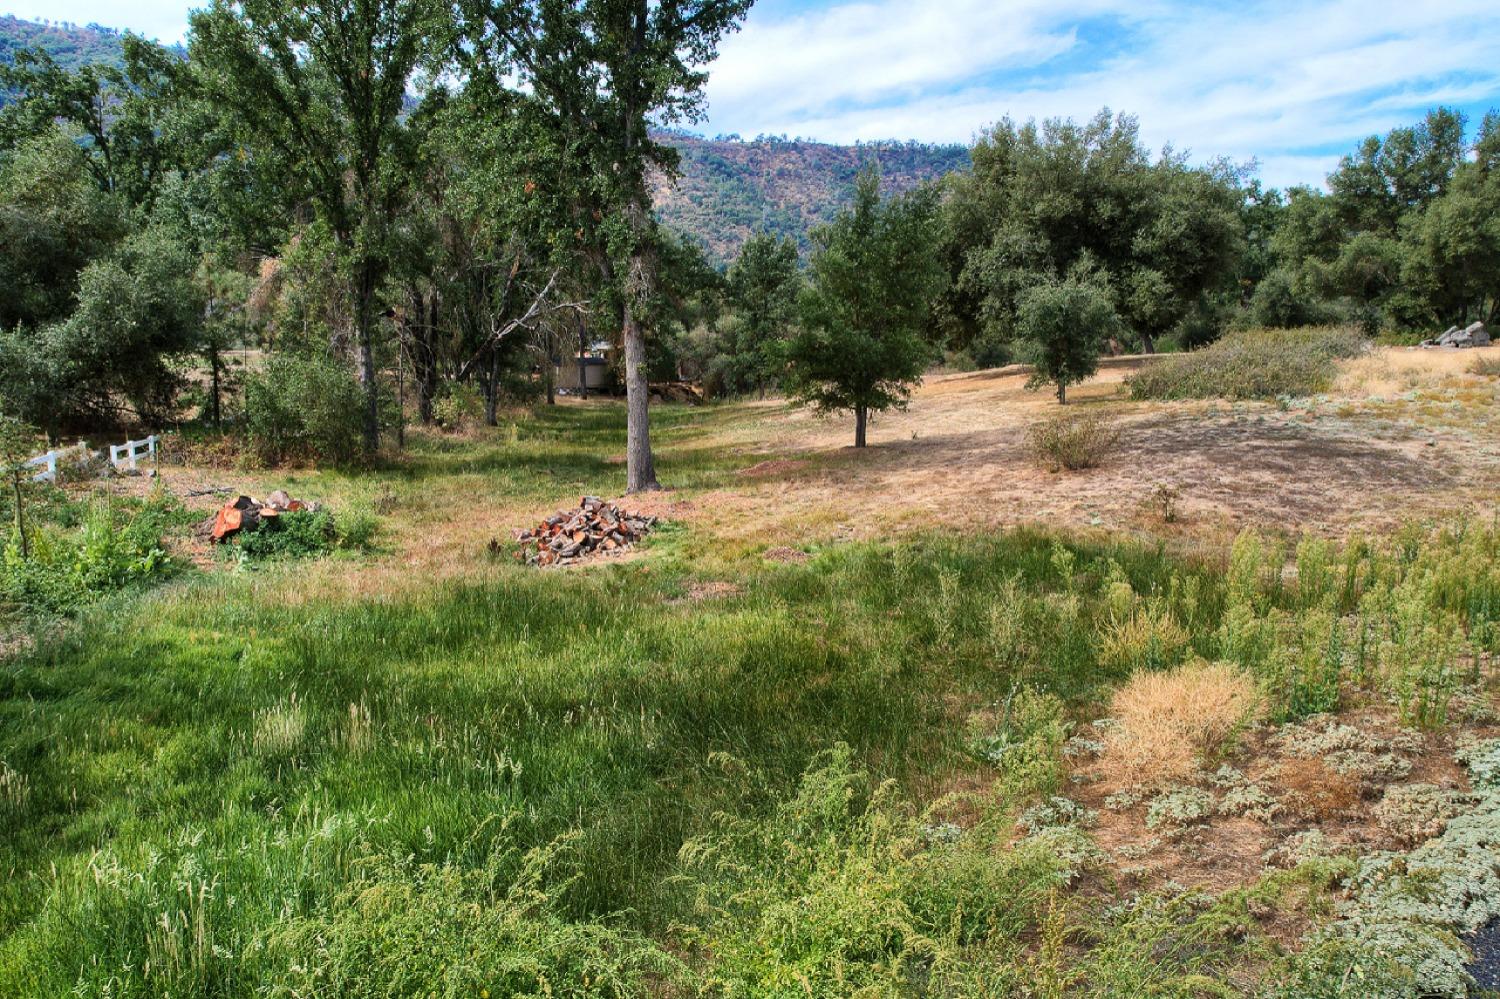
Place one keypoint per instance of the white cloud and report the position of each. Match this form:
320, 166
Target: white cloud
1277, 81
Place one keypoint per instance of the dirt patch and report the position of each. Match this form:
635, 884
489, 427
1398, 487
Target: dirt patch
712, 589
784, 553
765, 469
1264, 803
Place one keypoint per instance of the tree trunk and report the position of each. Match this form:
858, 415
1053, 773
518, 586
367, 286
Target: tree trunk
1062, 394
20, 519
583, 369
640, 466
861, 419
213, 363
492, 390
423, 326
365, 317
549, 370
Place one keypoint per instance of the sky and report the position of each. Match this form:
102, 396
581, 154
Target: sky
1291, 85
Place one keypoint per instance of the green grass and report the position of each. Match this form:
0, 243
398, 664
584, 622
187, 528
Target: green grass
581, 784
211, 729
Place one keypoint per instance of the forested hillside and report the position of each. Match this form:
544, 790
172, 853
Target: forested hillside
71, 45
731, 188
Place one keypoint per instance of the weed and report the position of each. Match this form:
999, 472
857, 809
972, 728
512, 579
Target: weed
1164, 500
1170, 722
1415, 812
1316, 791
1487, 365
1179, 808
116, 546
301, 534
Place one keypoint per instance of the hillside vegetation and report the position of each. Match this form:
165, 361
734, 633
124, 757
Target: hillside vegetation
71, 45
730, 188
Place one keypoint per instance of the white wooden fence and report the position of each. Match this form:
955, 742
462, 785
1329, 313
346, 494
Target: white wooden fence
48, 462
127, 454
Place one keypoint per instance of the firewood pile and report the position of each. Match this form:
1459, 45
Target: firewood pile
245, 513
570, 536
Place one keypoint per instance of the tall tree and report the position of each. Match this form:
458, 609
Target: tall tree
873, 277
764, 283
322, 87
1043, 198
602, 71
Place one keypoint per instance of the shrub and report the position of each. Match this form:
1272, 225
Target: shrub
301, 534
1170, 721
1488, 366
1071, 442
460, 408
304, 409
1256, 364
114, 548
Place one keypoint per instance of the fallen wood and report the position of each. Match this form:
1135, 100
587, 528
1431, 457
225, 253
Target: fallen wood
569, 536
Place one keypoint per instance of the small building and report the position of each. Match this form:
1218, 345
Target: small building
591, 364
595, 372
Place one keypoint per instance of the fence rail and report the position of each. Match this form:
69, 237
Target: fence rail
131, 450
48, 462
127, 454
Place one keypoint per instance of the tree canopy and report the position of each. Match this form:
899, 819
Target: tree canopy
873, 275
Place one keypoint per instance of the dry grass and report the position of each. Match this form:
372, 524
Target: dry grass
1170, 722
1315, 791
1393, 371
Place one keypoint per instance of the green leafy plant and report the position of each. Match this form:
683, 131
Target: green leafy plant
301, 534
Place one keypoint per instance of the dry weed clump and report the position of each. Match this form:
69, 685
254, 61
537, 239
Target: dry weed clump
1169, 722
1071, 442
1488, 366
1315, 791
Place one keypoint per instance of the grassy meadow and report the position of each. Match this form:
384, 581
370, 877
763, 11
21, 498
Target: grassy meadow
416, 768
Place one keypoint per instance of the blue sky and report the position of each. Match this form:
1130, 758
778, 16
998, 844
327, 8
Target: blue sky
1292, 85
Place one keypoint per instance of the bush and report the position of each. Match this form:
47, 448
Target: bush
304, 409
1488, 366
460, 408
1254, 364
1071, 442
302, 534
113, 549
